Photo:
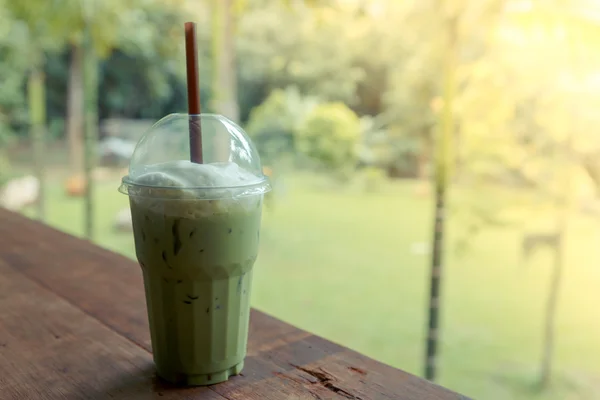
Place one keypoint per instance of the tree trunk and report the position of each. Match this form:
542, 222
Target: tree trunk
443, 160
425, 156
91, 128
551, 305
75, 109
592, 168
37, 112
435, 281
224, 82
559, 264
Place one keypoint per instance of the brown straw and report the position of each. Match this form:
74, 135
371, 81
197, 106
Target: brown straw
193, 88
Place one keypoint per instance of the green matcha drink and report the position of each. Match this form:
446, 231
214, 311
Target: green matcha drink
196, 229
197, 274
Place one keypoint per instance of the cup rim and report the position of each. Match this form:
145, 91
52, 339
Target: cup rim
262, 185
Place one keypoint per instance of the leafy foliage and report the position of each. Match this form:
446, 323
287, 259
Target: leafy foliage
13, 61
274, 124
313, 52
330, 136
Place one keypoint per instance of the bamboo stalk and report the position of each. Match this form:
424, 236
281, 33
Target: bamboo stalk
90, 79
443, 161
37, 111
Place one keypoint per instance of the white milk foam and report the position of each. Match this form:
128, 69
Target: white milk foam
175, 188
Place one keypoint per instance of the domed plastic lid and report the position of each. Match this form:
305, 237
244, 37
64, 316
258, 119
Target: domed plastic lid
160, 165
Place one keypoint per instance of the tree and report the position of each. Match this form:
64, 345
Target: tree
113, 22
13, 109
90, 105
304, 45
455, 41
37, 112
579, 37
533, 114
449, 22
40, 41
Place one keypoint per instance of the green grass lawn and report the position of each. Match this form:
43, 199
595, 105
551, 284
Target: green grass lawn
339, 263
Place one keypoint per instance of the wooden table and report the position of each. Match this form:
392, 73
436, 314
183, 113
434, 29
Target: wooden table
73, 325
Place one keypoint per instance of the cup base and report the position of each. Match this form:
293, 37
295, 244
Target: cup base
202, 379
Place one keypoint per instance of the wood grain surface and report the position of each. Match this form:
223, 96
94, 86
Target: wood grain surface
73, 325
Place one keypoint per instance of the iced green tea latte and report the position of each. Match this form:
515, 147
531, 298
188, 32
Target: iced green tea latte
196, 248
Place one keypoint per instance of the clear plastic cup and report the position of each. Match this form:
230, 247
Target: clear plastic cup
196, 229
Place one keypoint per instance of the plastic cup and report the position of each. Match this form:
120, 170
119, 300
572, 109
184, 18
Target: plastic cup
196, 229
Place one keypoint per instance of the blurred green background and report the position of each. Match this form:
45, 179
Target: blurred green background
362, 111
